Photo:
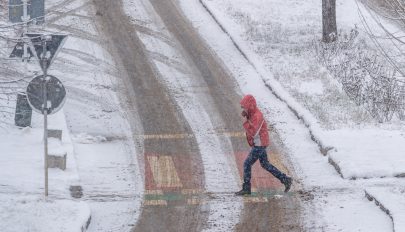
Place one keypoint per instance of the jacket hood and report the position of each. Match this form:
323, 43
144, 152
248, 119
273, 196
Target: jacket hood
249, 102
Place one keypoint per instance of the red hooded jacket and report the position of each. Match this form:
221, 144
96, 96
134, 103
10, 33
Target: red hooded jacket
255, 125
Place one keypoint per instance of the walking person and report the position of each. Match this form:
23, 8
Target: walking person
258, 138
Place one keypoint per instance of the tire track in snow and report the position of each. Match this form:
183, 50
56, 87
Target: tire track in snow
200, 112
224, 91
219, 176
164, 158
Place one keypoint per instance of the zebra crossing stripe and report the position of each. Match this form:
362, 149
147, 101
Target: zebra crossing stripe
191, 191
154, 192
155, 202
199, 197
255, 199
185, 136
195, 201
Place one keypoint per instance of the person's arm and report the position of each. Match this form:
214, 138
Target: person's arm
245, 124
252, 125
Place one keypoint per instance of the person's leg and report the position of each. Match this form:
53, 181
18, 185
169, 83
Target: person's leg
264, 162
247, 165
247, 172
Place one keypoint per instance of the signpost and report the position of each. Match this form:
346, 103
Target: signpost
34, 8
46, 94
26, 11
55, 90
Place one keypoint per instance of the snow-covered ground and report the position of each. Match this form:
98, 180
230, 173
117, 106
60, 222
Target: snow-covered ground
390, 200
22, 201
270, 50
101, 155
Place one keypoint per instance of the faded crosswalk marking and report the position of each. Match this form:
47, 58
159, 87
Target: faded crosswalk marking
164, 172
185, 136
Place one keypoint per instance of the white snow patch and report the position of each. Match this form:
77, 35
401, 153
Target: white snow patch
392, 199
40, 215
346, 212
22, 201
370, 154
84, 138
312, 87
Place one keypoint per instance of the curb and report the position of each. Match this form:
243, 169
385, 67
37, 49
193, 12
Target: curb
85, 227
72, 156
401, 175
336, 166
322, 148
370, 197
339, 170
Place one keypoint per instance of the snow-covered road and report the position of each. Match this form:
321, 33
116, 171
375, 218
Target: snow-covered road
187, 101
156, 137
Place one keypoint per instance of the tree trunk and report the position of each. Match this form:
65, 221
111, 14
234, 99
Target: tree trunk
329, 21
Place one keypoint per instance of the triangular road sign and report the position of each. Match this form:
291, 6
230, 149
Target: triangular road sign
52, 47
18, 51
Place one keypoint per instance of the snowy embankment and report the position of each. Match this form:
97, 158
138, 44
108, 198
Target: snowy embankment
280, 46
101, 158
391, 201
283, 44
332, 207
23, 205
39, 214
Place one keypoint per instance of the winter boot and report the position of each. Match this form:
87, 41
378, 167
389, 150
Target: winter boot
245, 190
287, 183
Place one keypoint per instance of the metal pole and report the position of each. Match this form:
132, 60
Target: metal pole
25, 19
44, 69
46, 144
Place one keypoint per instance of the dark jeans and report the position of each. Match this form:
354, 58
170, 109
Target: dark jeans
255, 154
